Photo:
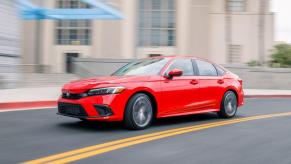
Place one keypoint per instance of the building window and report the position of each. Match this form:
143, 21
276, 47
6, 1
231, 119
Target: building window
71, 4
73, 32
157, 23
236, 5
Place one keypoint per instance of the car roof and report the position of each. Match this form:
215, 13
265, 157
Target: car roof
189, 57
181, 56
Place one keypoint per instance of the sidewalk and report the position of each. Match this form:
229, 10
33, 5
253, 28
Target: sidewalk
29, 98
30, 94
47, 96
258, 93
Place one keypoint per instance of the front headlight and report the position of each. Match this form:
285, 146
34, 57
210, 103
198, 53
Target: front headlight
105, 91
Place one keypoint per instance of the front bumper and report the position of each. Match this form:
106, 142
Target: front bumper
103, 108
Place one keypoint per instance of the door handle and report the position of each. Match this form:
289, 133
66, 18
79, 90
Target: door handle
194, 82
220, 81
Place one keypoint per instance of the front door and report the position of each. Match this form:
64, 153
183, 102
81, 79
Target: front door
180, 93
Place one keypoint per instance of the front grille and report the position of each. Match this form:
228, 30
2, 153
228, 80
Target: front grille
71, 109
72, 96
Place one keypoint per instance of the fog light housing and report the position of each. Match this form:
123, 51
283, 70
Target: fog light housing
103, 110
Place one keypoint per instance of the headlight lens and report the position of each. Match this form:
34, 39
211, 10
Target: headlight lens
105, 91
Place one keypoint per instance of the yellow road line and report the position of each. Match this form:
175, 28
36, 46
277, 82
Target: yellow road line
90, 151
91, 148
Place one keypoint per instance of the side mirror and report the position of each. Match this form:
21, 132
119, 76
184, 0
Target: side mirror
175, 72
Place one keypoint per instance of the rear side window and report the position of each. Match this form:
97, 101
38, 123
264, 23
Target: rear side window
183, 64
206, 68
220, 71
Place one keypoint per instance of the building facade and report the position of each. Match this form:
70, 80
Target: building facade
9, 44
224, 31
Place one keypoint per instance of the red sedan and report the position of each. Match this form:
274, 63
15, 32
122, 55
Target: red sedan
154, 88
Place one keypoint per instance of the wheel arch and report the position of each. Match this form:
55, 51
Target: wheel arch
235, 92
152, 98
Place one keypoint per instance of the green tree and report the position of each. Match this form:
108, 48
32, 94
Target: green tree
282, 55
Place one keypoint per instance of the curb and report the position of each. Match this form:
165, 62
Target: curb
267, 96
29, 105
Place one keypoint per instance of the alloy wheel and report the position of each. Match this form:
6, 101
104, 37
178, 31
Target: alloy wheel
230, 103
142, 111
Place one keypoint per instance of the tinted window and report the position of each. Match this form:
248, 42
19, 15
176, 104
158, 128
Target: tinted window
183, 64
142, 67
205, 68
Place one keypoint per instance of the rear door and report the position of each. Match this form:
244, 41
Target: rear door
211, 84
180, 93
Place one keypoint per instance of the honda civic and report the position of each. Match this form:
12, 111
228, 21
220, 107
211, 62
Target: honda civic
153, 88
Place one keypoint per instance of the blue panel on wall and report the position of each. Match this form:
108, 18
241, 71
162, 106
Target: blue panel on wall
99, 10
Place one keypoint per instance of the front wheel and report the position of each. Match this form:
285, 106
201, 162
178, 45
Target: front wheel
228, 107
139, 112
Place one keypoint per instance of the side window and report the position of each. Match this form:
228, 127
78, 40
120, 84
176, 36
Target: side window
205, 68
220, 71
183, 64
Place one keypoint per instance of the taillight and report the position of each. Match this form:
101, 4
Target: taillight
240, 81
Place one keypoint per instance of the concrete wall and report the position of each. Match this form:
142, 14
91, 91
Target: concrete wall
85, 67
263, 78
9, 72
253, 78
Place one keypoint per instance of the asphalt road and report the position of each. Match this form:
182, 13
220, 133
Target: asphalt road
28, 135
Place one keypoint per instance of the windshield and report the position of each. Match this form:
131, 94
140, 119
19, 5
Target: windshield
143, 67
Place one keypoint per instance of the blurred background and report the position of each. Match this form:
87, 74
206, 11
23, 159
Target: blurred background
50, 42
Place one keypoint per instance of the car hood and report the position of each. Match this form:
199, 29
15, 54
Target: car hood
83, 85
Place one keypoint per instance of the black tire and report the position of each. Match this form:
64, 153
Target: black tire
137, 107
228, 107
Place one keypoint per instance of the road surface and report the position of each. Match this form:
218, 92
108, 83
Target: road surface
37, 134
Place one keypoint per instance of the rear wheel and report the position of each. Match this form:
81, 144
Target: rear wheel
228, 107
139, 112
